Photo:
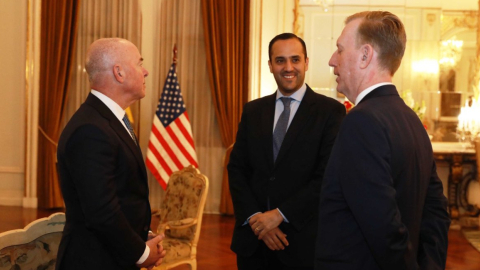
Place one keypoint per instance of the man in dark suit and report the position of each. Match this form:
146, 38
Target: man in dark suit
382, 204
102, 173
277, 163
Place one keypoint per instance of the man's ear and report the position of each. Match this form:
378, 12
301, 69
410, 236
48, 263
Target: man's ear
118, 73
270, 66
367, 55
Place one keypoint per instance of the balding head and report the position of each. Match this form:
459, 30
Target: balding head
114, 68
102, 55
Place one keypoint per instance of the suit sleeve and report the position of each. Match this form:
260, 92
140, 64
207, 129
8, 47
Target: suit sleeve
91, 159
240, 173
368, 189
298, 208
433, 243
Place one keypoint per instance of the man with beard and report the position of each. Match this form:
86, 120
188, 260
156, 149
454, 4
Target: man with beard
277, 163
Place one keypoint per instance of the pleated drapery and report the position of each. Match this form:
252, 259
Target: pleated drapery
226, 29
57, 46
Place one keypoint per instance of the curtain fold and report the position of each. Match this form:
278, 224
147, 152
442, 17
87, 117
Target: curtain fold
226, 29
57, 46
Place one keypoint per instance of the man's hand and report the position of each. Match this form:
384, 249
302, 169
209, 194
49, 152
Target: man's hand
157, 253
151, 235
275, 239
264, 222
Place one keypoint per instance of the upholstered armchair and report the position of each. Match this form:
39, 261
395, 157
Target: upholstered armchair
181, 217
34, 247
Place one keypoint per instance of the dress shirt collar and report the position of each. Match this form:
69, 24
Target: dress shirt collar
368, 90
112, 105
298, 95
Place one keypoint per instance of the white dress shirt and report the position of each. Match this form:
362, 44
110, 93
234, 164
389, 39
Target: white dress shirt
113, 106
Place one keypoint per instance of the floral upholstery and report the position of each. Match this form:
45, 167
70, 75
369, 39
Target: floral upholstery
40, 253
177, 249
34, 247
181, 216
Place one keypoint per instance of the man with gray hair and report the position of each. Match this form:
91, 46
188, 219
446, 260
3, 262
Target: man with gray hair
381, 203
102, 172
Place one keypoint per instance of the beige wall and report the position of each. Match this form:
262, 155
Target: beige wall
13, 21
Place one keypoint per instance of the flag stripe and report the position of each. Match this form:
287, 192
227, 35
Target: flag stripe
186, 123
186, 130
156, 169
161, 135
181, 147
171, 139
157, 156
176, 128
156, 174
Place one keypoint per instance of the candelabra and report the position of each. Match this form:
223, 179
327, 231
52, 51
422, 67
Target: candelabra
468, 128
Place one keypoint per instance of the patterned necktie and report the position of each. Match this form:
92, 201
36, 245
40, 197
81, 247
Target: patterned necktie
281, 127
130, 129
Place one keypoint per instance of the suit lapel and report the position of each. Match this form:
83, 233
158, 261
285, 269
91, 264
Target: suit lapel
118, 128
268, 115
297, 124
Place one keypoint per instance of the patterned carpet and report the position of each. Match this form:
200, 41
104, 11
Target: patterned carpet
474, 238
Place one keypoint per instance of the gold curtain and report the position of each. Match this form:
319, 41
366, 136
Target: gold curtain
226, 29
57, 45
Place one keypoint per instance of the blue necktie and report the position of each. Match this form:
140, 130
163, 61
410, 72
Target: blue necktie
281, 127
130, 129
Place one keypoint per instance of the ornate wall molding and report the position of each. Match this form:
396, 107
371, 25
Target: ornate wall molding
298, 20
464, 19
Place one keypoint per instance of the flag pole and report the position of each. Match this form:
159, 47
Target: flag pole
175, 54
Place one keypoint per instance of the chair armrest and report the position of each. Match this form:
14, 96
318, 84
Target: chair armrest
155, 213
181, 224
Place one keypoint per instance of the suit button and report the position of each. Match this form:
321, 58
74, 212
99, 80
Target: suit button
272, 178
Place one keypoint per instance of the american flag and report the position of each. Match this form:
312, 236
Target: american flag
171, 146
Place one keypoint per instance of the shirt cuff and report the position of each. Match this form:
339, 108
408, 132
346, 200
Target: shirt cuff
284, 218
248, 219
144, 256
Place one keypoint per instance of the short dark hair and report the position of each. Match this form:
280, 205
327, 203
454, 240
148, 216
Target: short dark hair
285, 36
386, 33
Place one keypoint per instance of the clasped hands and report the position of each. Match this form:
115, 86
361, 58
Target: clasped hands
157, 253
265, 226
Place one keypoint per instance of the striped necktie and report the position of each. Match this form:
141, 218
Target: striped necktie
130, 129
281, 127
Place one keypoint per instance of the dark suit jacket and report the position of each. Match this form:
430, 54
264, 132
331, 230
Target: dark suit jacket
293, 182
382, 204
104, 184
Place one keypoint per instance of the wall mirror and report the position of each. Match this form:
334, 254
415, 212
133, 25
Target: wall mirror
438, 69
457, 70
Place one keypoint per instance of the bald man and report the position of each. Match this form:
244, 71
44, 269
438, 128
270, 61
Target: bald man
102, 172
